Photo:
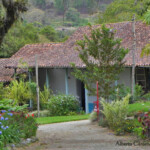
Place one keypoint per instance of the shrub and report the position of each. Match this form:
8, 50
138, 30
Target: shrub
45, 95
138, 92
50, 33
129, 126
93, 116
120, 92
29, 127
18, 91
72, 14
139, 132
60, 105
103, 122
115, 113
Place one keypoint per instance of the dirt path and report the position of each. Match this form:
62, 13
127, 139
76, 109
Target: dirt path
80, 135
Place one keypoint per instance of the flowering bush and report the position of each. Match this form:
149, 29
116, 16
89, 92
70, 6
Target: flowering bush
14, 126
9, 133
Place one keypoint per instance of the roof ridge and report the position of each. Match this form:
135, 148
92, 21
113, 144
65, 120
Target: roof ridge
37, 44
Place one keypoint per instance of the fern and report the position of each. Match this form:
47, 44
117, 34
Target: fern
147, 17
116, 111
45, 94
18, 91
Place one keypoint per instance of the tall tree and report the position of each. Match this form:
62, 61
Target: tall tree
123, 10
102, 55
10, 11
19, 35
146, 49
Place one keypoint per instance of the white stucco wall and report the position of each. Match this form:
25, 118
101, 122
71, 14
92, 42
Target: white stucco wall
126, 77
57, 81
72, 81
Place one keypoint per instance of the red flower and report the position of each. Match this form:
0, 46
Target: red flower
28, 115
32, 115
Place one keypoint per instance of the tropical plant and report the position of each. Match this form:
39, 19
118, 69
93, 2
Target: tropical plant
147, 17
102, 55
93, 116
115, 113
1, 91
45, 95
138, 92
32, 89
18, 91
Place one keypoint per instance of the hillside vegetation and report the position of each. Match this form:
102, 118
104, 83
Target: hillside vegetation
55, 12
123, 10
50, 21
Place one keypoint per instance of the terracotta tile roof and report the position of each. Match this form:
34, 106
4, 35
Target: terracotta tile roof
5, 74
61, 54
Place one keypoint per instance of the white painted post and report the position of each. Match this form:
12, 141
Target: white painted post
133, 58
37, 86
15, 71
30, 82
86, 101
66, 82
116, 83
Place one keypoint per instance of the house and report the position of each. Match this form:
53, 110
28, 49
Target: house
54, 61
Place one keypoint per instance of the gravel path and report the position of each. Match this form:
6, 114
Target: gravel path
80, 135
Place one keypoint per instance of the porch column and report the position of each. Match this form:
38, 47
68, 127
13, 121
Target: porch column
116, 83
47, 79
66, 81
30, 82
15, 71
86, 101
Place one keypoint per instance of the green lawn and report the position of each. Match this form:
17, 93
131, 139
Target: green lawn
58, 119
141, 106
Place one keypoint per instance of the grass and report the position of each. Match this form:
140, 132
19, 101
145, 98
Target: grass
139, 106
58, 119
